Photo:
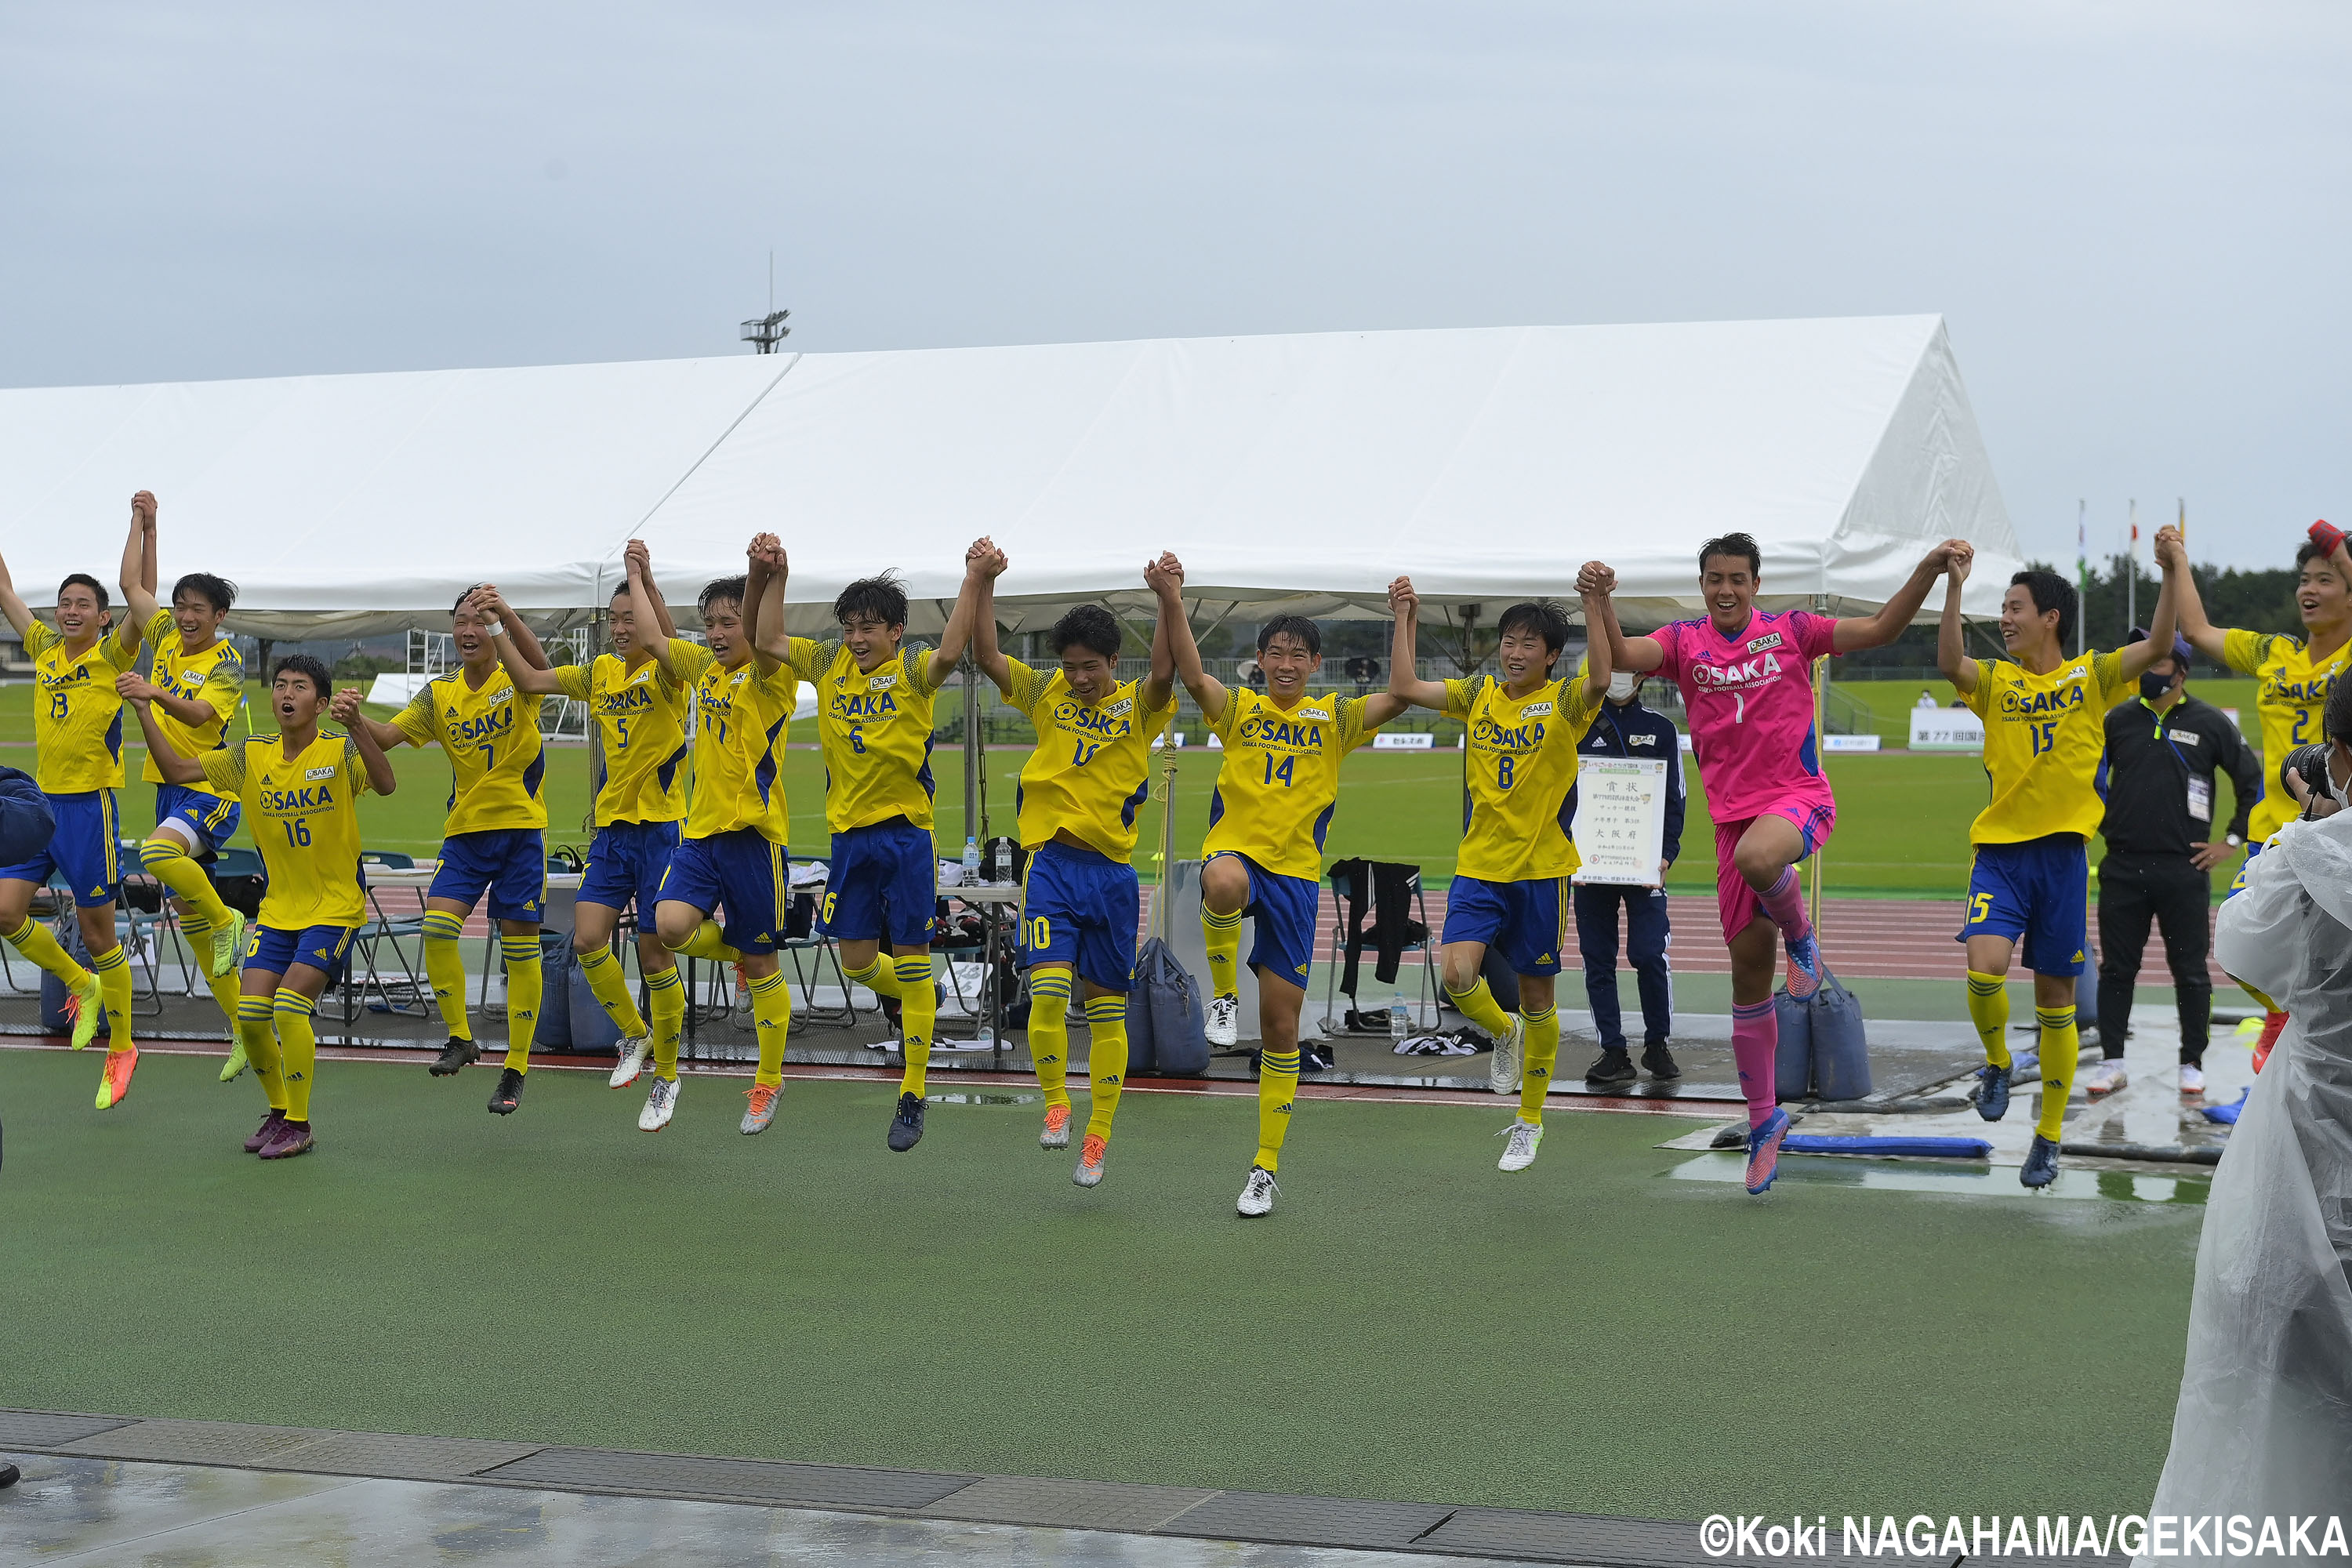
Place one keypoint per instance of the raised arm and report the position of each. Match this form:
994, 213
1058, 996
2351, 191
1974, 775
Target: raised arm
192, 711
2173, 556
1165, 578
1159, 687
1405, 685
1951, 648
1877, 630
984, 652
763, 600
637, 550
957, 638
641, 602
1641, 655
174, 767
138, 573
1598, 663
2190, 608
526, 676
344, 709
526, 641
19, 614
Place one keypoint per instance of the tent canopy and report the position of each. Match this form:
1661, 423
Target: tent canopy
1298, 472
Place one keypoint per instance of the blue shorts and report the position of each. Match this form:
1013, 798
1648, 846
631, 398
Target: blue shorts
2040, 890
274, 950
742, 872
1525, 922
86, 849
210, 819
625, 862
884, 883
1284, 907
1080, 908
510, 863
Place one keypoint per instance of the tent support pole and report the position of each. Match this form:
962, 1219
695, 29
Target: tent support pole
974, 752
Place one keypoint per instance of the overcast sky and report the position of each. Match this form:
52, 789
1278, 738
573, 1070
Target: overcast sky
2134, 216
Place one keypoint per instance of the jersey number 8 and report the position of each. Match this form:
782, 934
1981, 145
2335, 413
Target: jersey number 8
1503, 771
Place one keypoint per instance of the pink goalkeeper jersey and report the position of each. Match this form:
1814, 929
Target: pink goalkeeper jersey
1750, 700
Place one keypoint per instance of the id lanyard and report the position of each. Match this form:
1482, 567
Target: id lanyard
2200, 789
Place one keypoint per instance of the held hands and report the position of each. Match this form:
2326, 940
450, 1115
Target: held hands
985, 560
1939, 560
133, 687
635, 557
485, 602
1403, 601
1959, 556
766, 554
2172, 550
344, 708
1165, 576
142, 510
1595, 580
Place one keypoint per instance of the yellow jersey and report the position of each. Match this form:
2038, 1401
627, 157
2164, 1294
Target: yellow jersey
739, 718
77, 714
875, 730
2044, 735
2292, 696
1279, 783
1520, 763
214, 678
303, 811
640, 713
1086, 775
497, 765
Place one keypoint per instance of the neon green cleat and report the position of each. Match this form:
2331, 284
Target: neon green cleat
233, 1068
228, 941
84, 1007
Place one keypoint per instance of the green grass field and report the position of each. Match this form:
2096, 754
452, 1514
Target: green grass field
1593, 1335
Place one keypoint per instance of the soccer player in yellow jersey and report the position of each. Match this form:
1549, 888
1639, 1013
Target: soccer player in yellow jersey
195, 679
1277, 790
2028, 880
2295, 675
639, 712
494, 840
1079, 899
733, 852
1510, 881
78, 741
302, 787
874, 693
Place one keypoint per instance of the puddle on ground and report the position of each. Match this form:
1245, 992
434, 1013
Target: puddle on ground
978, 1097
1964, 1181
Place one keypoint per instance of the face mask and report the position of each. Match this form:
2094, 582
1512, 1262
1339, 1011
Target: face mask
2154, 687
1621, 685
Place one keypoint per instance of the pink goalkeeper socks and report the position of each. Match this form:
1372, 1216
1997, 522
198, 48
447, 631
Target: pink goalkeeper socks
1784, 904
1755, 1043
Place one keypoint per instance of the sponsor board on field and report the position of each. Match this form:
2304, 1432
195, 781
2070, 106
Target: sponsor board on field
1848, 742
1946, 729
1404, 741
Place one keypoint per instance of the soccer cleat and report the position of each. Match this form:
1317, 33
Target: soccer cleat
456, 1057
226, 940
2192, 1078
508, 1094
1764, 1151
1804, 966
659, 1104
1611, 1065
1525, 1137
2104, 1078
2272, 1023
1257, 1194
114, 1083
1659, 1062
1056, 1134
83, 1006
763, 1109
634, 1051
233, 1068
1222, 1011
2041, 1167
907, 1127
1089, 1172
267, 1130
1503, 1072
1992, 1092
291, 1138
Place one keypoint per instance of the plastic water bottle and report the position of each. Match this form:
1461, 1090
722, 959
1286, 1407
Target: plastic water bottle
1400, 1018
970, 860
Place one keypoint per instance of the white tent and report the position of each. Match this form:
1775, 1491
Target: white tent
1299, 471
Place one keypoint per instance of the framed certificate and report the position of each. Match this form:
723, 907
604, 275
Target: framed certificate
1620, 819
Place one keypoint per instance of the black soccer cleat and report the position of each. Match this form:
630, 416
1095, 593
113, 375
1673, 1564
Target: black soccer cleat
456, 1057
508, 1094
1659, 1062
907, 1127
1611, 1065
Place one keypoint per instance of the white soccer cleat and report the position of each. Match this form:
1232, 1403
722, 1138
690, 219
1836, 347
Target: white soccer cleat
1526, 1138
634, 1050
659, 1105
1222, 1011
2192, 1078
2104, 1077
1257, 1194
1055, 1134
1503, 1072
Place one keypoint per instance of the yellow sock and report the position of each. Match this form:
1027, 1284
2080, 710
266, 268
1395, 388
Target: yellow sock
225, 987
112, 968
918, 1014
1222, 932
253, 1027
610, 983
444, 967
1543, 1049
1479, 1006
1049, 1033
36, 942
706, 942
665, 993
298, 1048
877, 977
167, 860
1989, 1011
1106, 1060
523, 984
2062, 1043
2267, 1004
1278, 1092
772, 1018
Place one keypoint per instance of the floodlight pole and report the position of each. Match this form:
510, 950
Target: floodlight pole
767, 334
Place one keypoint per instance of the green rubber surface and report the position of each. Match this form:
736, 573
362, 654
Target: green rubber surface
1408, 1323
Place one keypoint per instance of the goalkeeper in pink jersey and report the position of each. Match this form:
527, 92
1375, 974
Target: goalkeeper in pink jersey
1747, 680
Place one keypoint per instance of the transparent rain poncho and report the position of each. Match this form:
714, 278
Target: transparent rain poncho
2264, 1424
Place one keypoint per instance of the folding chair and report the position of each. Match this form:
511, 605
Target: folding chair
1391, 895
380, 930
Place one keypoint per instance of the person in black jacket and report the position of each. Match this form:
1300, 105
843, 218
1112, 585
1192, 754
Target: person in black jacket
2164, 750
1626, 729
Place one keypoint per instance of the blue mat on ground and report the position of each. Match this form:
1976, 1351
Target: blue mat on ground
1828, 1143
2227, 1115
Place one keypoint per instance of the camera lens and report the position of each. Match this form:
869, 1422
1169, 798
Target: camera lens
2311, 761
